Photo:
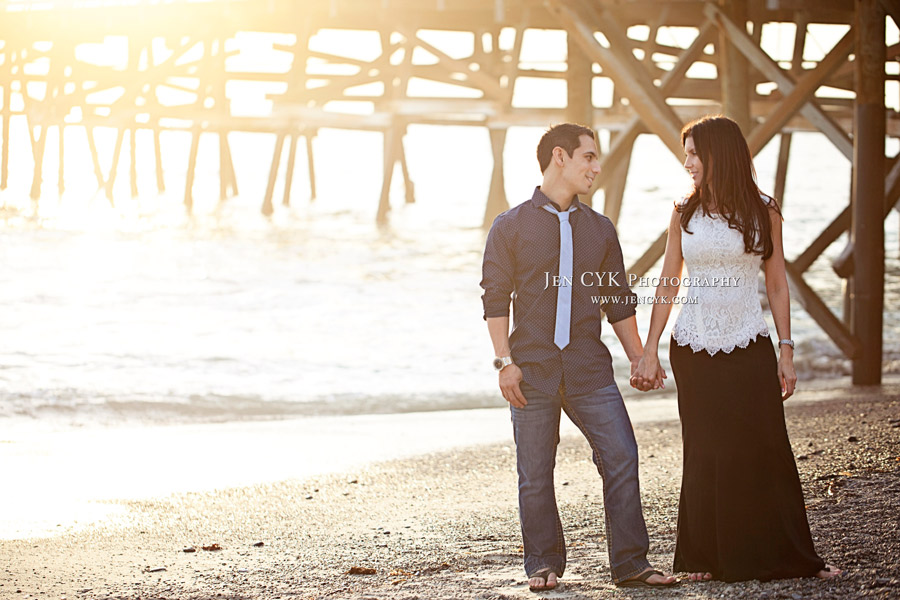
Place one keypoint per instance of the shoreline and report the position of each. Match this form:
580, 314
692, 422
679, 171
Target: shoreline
30, 415
67, 467
444, 523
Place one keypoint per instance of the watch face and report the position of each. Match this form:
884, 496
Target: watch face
498, 364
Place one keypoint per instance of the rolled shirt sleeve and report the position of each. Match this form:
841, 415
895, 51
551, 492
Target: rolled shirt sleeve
497, 272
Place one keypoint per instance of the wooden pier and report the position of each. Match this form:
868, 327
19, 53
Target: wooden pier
183, 46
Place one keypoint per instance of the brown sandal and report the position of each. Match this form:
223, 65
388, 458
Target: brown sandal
543, 574
641, 580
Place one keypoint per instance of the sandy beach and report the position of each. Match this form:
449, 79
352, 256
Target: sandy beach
444, 524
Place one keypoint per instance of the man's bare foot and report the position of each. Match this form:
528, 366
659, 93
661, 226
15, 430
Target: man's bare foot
649, 577
700, 576
828, 572
545, 579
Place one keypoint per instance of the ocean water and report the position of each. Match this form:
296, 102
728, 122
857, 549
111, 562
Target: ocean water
145, 313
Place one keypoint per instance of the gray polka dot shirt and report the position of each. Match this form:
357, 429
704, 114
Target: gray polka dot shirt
521, 258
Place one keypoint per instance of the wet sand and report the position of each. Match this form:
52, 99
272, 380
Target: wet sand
444, 524
67, 474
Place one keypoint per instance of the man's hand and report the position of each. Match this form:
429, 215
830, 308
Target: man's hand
510, 377
647, 378
646, 373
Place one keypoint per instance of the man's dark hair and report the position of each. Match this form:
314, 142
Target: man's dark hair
564, 135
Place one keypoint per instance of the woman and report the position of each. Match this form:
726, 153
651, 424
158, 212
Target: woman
741, 514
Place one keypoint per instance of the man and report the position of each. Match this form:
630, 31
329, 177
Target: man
562, 263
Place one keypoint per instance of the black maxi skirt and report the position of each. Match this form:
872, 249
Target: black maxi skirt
741, 514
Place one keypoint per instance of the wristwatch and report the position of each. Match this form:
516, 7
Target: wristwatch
502, 361
786, 343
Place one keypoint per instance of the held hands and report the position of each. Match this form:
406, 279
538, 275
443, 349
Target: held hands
510, 377
786, 374
647, 374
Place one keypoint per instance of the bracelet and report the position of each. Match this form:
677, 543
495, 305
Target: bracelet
786, 343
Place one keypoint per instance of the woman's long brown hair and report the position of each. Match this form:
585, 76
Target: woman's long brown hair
729, 183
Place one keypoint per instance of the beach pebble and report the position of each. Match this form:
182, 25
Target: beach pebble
212, 547
189, 549
361, 571
852, 438
155, 569
259, 544
309, 497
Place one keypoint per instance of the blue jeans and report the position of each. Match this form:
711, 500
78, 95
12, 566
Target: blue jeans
601, 417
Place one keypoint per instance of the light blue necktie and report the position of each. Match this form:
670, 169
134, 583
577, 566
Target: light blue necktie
564, 291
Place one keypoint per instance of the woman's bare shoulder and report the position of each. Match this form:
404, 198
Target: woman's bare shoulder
767, 199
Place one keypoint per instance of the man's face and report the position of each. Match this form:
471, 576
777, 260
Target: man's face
580, 169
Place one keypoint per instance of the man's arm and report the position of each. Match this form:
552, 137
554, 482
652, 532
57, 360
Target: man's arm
498, 283
621, 314
627, 332
510, 375
621, 302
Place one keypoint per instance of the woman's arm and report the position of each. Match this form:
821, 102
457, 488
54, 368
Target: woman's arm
649, 370
780, 304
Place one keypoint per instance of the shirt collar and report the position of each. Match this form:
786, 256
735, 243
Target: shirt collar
539, 199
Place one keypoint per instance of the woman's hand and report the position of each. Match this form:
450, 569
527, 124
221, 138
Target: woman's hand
646, 373
786, 374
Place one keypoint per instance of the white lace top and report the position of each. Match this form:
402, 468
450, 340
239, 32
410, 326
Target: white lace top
723, 310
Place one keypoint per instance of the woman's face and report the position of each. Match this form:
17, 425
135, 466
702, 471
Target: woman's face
692, 162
